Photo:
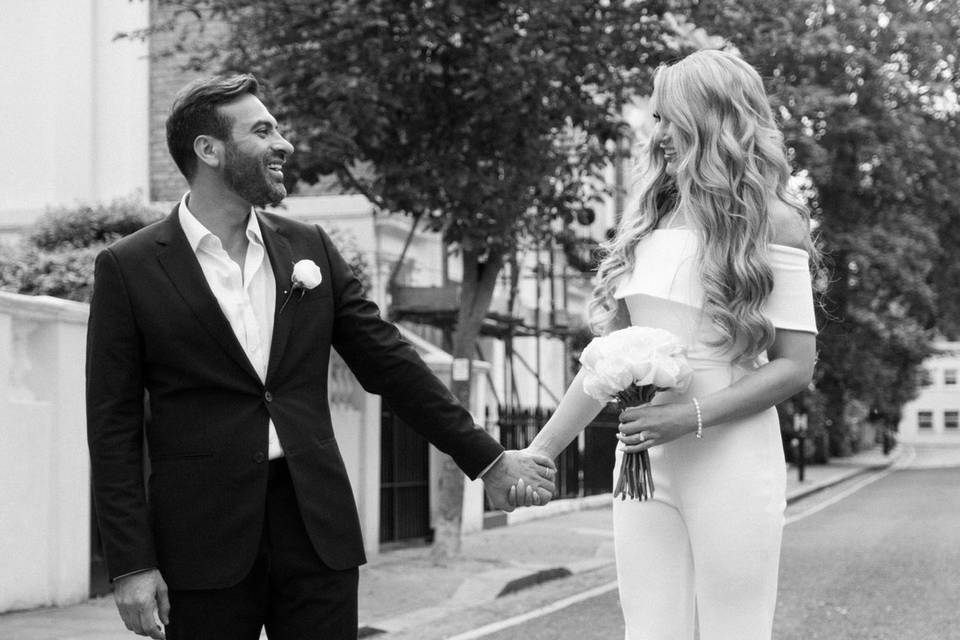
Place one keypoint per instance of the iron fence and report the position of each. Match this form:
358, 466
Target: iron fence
585, 467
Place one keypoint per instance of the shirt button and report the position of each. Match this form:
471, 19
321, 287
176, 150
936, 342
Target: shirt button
268, 396
259, 457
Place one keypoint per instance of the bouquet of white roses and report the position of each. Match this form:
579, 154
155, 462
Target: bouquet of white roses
628, 367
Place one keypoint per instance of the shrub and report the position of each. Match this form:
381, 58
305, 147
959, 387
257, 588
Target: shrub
56, 257
86, 225
65, 273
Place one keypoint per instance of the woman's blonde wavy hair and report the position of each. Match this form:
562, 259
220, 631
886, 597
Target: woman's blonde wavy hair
731, 163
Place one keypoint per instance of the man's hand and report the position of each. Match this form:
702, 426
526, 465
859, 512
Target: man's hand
142, 600
520, 478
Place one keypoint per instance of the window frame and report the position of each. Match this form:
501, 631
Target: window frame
951, 420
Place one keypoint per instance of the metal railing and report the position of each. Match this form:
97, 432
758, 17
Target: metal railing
585, 467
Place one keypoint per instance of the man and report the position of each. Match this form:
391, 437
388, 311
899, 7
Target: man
250, 519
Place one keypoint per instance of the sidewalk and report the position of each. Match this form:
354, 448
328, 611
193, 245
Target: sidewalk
402, 588
821, 476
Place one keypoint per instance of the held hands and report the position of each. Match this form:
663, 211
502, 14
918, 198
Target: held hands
532, 473
647, 426
143, 603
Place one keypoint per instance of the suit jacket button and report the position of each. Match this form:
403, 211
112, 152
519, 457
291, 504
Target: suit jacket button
268, 396
259, 457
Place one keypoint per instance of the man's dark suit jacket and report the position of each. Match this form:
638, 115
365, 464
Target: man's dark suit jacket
155, 325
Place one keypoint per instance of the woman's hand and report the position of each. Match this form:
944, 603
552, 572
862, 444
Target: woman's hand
524, 494
652, 425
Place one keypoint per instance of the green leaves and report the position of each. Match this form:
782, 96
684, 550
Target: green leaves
456, 105
57, 256
864, 88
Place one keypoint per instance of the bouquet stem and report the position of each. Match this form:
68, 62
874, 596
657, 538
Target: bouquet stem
636, 476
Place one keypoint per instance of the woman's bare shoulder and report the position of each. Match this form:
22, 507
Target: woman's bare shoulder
787, 226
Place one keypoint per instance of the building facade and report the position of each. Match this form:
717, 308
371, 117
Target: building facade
74, 104
934, 416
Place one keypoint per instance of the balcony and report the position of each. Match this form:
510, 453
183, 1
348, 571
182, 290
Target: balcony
438, 306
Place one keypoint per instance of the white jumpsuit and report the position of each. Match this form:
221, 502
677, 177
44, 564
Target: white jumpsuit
705, 551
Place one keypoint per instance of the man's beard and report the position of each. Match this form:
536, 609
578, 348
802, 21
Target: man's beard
248, 177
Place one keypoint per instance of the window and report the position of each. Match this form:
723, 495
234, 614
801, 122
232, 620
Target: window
925, 419
951, 419
950, 377
926, 377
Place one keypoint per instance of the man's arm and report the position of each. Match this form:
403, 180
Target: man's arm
115, 422
386, 364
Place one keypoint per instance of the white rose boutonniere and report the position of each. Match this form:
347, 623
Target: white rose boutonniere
306, 275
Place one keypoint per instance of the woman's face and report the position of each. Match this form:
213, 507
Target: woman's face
667, 141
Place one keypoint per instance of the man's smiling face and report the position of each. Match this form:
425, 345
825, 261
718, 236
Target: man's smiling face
255, 152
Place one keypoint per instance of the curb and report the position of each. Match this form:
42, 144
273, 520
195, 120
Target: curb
805, 492
485, 587
493, 584
535, 578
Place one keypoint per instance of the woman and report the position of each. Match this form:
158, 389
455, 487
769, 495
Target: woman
717, 253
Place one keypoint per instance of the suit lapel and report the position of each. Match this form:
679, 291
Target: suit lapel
281, 259
181, 265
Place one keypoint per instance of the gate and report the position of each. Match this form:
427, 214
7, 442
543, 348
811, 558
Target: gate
404, 480
599, 452
581, 471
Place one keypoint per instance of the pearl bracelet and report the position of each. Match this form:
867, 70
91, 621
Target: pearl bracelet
696, 404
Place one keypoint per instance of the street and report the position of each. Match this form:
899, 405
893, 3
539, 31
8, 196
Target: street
875, 558
881, 564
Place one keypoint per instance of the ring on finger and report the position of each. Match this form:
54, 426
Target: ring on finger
642, 437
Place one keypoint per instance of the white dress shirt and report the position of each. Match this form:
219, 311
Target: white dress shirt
247, 297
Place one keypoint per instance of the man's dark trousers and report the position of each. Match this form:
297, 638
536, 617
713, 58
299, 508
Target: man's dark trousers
289, 589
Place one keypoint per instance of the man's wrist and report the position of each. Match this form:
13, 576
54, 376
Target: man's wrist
491, 465
133, 573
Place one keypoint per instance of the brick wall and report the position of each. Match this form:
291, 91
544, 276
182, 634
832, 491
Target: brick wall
168, 74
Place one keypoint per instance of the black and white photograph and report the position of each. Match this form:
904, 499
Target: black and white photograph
500, 320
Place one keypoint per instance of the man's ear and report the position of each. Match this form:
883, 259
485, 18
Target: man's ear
209, 150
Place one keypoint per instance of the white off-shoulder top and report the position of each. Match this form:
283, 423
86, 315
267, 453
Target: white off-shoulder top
664, 289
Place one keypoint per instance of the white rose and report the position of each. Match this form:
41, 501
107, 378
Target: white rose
639, 355
306, 274
642, 371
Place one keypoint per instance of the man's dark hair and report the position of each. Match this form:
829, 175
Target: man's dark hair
195, 113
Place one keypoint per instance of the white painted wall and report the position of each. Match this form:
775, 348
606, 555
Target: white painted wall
45, 493
938, 397
74, 105
356, 423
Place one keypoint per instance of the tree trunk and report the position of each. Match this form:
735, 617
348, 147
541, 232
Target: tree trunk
476, 292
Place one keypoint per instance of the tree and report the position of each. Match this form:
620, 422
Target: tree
489, 122
867, 94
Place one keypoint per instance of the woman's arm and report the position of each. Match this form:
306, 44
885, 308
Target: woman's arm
576, 409
792, 357
573, 414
